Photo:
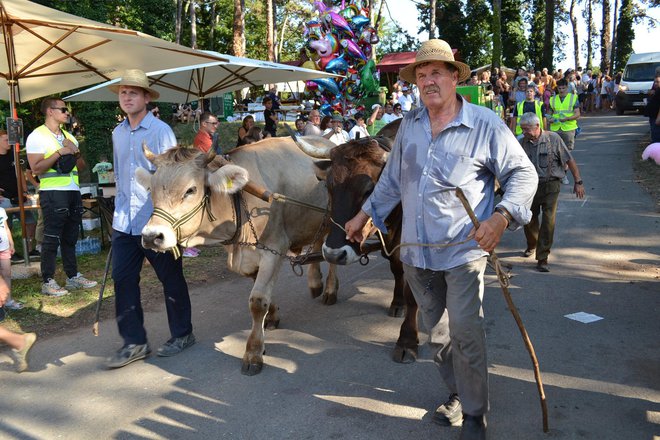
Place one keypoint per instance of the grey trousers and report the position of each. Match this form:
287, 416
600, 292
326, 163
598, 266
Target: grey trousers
450, 303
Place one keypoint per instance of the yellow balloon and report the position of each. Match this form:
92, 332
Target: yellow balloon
309, 65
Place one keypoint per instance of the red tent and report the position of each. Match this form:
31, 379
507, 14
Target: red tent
393, 62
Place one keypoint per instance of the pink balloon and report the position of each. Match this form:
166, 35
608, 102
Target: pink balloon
652, 152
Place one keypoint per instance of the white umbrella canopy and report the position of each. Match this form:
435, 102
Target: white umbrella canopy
185, 84
49, 51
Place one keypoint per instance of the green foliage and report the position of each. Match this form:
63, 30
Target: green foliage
477, 43
625, 34
393, 38
450, 21
536, 33
514, 43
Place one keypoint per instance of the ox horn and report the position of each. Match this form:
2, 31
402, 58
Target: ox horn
147, 152
314, 146
209, 157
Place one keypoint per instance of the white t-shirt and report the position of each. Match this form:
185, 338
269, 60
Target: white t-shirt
337, 138
357, 129
4, 238
36, 144
406, 102
389, 117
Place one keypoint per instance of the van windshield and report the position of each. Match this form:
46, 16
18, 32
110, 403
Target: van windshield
640, 72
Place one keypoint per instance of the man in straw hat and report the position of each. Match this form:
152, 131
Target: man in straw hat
133, 207
450, 143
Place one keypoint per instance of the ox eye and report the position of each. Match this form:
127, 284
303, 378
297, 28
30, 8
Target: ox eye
191, 191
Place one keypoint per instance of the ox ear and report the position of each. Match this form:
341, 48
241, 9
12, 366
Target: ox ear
321, 168
143, 178
228, 179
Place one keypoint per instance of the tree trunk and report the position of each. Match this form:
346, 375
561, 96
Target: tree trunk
605, 39
177, 25
590, 35
193, 24
497, 34
432, 19
270, 30
281, 42
613, 46
549, 37
238, 44
576, 40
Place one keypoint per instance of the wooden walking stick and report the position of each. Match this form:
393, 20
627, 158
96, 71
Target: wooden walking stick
95, 327
504, 284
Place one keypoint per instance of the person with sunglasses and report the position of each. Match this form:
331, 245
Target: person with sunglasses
208, 125
54, 156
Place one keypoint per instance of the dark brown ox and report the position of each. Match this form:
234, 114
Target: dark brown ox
350, 174
185, 177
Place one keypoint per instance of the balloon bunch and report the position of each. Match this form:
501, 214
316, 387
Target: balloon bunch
340, 41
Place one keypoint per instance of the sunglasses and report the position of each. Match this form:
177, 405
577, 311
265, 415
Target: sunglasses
62, 109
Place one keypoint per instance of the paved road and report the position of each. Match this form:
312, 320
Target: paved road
328, 373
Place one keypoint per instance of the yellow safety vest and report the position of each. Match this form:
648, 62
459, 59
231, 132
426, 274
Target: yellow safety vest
563, 109
52, 178
538, 108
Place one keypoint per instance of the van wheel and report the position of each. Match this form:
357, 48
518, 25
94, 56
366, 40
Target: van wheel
619, 111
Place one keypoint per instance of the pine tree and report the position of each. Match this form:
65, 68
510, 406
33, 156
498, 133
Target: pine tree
477, 44
537, 33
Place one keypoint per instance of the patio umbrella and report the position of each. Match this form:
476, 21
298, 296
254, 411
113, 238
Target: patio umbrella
185, 84
47, 51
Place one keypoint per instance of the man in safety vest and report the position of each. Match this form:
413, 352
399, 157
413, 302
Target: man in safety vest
53, 155
564, 112
529, 105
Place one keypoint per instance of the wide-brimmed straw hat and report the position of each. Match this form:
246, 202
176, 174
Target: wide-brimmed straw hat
135, 78
434, 50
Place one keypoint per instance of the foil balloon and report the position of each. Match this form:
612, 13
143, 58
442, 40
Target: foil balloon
368, 36
326, 109
368, 80
323, 61
352, 49
311, 86
322, 47
333, 21
349, 12
328, 84
313, 30
358, 22
337, 65
311, 65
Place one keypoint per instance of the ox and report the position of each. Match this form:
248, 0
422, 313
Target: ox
350, 175
198, 201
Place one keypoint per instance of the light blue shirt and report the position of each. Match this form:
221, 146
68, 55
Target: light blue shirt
133, 206
470, 152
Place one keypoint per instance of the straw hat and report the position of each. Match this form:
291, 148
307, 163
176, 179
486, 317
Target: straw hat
434, 50
135, 78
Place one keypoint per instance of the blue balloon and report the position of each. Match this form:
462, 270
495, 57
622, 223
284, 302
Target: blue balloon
326, 110
327, 84
358, 22
337, 65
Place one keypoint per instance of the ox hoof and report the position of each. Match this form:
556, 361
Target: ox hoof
251, 369
404, 355
396, 311
316, 291
329, 298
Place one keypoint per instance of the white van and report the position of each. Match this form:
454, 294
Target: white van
637, 80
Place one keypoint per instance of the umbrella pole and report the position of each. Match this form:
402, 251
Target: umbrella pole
19, 174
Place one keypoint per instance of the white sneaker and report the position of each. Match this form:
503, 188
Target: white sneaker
51, 288
13, 305
80, 282
189, 253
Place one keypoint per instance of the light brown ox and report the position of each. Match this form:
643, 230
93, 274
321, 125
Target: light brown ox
183, 177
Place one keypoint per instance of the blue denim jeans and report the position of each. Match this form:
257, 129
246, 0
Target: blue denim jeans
127, 258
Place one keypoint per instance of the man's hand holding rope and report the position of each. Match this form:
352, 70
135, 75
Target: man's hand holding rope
490, 232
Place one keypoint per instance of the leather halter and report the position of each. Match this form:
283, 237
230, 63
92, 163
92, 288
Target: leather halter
176, 224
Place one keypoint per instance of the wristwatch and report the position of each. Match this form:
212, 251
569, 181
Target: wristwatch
578, 182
